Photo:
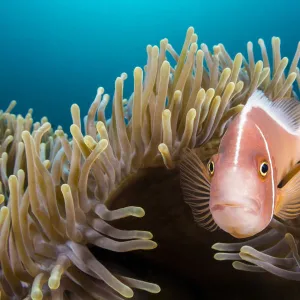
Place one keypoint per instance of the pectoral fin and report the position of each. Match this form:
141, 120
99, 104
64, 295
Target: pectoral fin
287, 205
195, 185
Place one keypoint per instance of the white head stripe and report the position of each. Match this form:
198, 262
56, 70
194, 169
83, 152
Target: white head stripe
271, 167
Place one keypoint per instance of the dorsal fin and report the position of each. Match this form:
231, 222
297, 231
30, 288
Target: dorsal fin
195, 186
286, 112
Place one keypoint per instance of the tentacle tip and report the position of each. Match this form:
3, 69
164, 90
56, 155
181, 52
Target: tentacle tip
217, 246
245, 249
218, 256
245, 256
139, 212
155, 289
128, 293
288, 236
153, 245
36, 294
53, 283
236, 265
148, 235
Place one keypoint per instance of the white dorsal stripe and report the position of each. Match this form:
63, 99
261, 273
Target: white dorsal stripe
285, 112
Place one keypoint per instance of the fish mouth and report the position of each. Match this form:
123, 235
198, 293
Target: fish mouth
250, 206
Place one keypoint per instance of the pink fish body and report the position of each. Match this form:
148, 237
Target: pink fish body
259, 148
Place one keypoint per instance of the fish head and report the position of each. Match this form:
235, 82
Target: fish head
242, 192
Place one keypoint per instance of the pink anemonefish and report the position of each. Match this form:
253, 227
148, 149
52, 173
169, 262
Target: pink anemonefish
239, 189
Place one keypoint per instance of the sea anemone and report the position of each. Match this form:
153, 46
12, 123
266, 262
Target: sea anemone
47, 191
60, 196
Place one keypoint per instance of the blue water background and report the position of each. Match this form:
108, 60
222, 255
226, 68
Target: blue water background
55, 53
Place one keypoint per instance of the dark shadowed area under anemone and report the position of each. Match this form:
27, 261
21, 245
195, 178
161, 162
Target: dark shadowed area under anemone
183, 263
72, 219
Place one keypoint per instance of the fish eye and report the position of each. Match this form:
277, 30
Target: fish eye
211, 167
264, 168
